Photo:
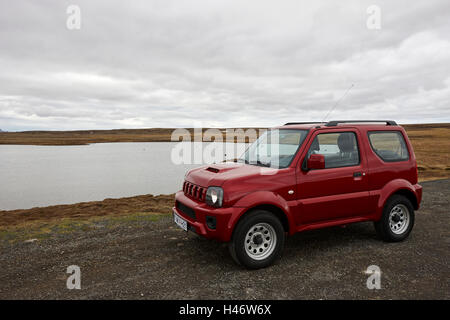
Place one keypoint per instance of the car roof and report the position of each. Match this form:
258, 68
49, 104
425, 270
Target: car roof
301, 125
336, 124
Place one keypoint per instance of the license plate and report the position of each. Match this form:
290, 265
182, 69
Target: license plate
180, 221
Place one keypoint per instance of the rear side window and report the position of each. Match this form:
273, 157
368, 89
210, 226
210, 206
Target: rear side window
340, 149
389, 146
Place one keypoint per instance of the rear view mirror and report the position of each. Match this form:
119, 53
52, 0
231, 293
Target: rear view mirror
316, 161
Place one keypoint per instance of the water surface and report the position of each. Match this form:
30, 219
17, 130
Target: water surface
33, 176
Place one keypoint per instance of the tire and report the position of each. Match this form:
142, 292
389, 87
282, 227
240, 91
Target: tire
258, 240
397, 219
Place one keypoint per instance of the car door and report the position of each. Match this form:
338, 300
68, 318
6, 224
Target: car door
340, 190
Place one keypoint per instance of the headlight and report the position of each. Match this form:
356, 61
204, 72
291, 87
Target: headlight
214, 196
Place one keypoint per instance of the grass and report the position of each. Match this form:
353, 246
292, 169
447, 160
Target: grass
41, 223
83, 137
432, 148
39, 230
114, 208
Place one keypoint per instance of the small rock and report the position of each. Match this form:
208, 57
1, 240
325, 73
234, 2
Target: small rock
179, 244
30, 240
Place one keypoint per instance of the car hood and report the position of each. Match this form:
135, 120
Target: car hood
217, 174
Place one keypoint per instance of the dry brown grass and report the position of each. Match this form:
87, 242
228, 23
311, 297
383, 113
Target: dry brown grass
84, 137
145, 204
58, 138
431, 145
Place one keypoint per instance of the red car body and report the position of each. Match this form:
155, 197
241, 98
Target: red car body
302, 200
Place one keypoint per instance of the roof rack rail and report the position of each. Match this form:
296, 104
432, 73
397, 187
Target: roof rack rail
313, 122
334, 123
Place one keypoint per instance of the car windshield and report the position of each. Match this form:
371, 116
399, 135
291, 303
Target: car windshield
275, 148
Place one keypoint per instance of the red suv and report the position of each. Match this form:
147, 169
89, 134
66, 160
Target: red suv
304, 176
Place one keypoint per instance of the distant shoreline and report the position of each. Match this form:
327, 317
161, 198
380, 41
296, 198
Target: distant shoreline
85, 137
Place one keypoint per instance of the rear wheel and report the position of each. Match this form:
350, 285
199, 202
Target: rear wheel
397, 219
258, 240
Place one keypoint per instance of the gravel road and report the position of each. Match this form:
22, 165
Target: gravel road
143, 259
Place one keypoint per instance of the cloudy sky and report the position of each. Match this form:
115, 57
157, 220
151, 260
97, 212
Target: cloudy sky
139, 64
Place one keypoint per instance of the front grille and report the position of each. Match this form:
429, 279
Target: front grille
194, 191
186, 210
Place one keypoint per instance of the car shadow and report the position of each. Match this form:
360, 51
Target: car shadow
304, 244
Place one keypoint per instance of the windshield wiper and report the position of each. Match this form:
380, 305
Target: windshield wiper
262, 164
257, 163
244, 160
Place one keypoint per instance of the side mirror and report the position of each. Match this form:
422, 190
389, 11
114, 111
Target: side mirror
316, 161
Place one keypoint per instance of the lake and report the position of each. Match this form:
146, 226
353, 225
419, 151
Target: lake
36, 176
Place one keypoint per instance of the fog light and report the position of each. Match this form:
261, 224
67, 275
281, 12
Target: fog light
211, 222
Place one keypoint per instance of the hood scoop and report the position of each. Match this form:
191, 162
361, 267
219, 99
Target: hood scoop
222, 167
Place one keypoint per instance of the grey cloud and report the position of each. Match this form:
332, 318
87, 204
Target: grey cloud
220, 63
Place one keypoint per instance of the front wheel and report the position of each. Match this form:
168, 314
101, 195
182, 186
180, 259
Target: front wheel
397, 219
258, 240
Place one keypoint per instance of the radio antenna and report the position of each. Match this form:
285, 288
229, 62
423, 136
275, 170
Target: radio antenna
337, 102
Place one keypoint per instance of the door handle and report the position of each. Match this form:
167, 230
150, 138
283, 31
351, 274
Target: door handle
357, 174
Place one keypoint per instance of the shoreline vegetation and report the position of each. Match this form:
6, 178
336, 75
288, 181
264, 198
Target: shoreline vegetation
431, 144
141, 205
85, 137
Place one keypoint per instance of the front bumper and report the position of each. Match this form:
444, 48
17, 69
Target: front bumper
197, 223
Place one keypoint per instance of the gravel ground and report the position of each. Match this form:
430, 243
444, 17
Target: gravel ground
155, 260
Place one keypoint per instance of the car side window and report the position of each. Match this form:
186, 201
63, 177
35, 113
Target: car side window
390, 146
340, 149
